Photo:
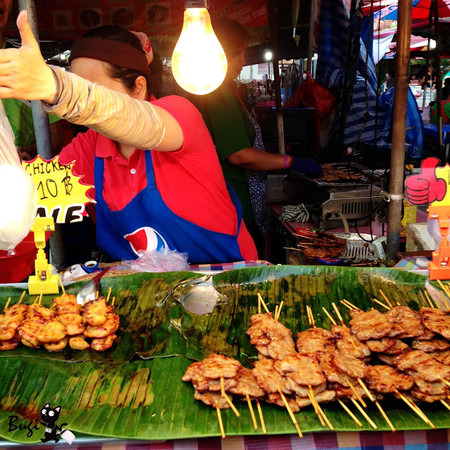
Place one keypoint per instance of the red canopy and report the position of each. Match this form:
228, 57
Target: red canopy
420, 8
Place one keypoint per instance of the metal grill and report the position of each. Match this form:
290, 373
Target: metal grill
359, 248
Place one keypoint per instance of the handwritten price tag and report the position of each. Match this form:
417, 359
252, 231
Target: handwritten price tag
61, 195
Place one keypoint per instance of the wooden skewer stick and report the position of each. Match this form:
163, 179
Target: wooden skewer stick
350, 304
277, 316
261, 417
381, 303
109, 293
259, 304
36, 299
21, 298
372, 424
347, 306
303, 236
275, 312
446, 291
40, 298
357, 395
372, 398
219, 418
263, 303
308, 316
385, 297
291, 414
415, 408
225, 396
444, 381
445, 404
292, 248
7, 304
62, 286
312, 322
325, 417
113, 301
386, 418
319, 411
329, 316
347, 410
427, 296
252, 413
336, 310
314, 403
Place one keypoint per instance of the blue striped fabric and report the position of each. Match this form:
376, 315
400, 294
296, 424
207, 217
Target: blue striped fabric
334, 32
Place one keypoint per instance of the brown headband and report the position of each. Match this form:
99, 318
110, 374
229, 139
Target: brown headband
113, 52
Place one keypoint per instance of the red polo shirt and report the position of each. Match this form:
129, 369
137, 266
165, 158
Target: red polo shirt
191, 172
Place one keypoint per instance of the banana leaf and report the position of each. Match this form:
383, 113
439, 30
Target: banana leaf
134, 391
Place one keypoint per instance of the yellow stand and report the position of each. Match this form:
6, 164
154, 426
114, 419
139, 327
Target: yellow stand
44, 281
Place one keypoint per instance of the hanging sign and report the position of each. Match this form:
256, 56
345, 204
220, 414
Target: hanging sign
61, 194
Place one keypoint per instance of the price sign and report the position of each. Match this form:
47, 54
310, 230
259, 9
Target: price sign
61, 194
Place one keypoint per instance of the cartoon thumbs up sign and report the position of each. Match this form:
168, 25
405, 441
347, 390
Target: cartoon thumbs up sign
425, 187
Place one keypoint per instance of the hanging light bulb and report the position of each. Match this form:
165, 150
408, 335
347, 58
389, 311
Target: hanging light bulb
199, 64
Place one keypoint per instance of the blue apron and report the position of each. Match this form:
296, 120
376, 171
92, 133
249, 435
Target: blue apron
147, 223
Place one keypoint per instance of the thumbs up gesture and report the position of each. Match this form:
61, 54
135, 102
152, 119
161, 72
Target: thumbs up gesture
425, 187
23, 71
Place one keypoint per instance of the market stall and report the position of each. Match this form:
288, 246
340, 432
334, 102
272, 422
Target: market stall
172, 356
134, 390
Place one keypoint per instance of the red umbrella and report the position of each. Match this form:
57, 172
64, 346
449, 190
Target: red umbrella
420, 9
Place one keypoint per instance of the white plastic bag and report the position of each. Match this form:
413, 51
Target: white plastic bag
18, 194
164, 260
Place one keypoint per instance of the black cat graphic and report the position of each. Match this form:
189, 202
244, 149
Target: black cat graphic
49, 416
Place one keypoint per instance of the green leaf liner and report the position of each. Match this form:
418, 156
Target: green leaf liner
134, 390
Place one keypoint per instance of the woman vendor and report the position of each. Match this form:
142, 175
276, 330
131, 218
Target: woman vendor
173, 196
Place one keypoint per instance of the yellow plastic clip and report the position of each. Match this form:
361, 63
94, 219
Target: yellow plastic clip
44, 281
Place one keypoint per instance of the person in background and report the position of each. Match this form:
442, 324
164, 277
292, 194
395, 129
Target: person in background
389, 83
158, 181
429, 79
237, 136
445, 107
19, 113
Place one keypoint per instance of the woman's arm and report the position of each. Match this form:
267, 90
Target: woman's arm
111, 113
24, 74
255, 159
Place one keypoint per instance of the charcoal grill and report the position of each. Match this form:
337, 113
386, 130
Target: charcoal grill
354, 197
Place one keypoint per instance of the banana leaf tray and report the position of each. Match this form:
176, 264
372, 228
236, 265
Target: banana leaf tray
168, 320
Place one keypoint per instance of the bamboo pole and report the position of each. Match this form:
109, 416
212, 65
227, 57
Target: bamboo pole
399, 127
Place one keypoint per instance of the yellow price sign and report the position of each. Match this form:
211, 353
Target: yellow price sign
61, 195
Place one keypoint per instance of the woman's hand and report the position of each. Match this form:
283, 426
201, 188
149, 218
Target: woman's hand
23, 71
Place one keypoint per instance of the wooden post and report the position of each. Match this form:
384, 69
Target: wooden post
399, 127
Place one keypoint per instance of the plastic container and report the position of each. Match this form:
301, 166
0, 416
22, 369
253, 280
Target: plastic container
16, 267
434, 231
